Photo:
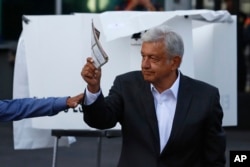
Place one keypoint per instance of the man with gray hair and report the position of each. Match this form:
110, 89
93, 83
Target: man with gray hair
167, 119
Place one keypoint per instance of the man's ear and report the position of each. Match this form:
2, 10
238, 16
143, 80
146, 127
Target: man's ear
176, 61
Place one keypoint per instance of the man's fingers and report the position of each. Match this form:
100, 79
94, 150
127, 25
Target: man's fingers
90, 60
88, 71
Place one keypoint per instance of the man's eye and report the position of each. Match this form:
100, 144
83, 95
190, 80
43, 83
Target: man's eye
154, 59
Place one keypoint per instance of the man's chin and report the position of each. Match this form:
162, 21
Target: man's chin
147, 78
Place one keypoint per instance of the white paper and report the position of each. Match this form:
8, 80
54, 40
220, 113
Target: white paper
98, 53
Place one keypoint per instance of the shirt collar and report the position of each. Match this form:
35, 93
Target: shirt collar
174, 88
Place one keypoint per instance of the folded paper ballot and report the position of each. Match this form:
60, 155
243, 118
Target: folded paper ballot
98, 54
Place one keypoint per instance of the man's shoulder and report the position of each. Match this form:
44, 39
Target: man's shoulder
132, 78
197, 83
131, 74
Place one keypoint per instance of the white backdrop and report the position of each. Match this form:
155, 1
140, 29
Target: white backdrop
53, 49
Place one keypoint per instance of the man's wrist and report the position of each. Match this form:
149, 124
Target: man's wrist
93, 89
68, 102
71, 102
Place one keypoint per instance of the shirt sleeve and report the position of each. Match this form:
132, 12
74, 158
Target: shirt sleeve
90, 97
16, 109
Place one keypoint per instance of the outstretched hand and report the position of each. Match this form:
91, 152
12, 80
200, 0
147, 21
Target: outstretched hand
72, 102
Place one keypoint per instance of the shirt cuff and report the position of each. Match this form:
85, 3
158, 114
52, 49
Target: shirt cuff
60, 104
91, 97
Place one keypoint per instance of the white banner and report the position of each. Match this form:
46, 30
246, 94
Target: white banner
216, 63
25, 136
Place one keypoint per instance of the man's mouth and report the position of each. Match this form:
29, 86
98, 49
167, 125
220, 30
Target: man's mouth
147, 73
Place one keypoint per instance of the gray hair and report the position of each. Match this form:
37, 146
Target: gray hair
173, 41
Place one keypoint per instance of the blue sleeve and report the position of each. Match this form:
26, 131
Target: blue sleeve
16, 109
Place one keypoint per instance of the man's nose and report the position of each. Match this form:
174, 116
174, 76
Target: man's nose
145, 63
